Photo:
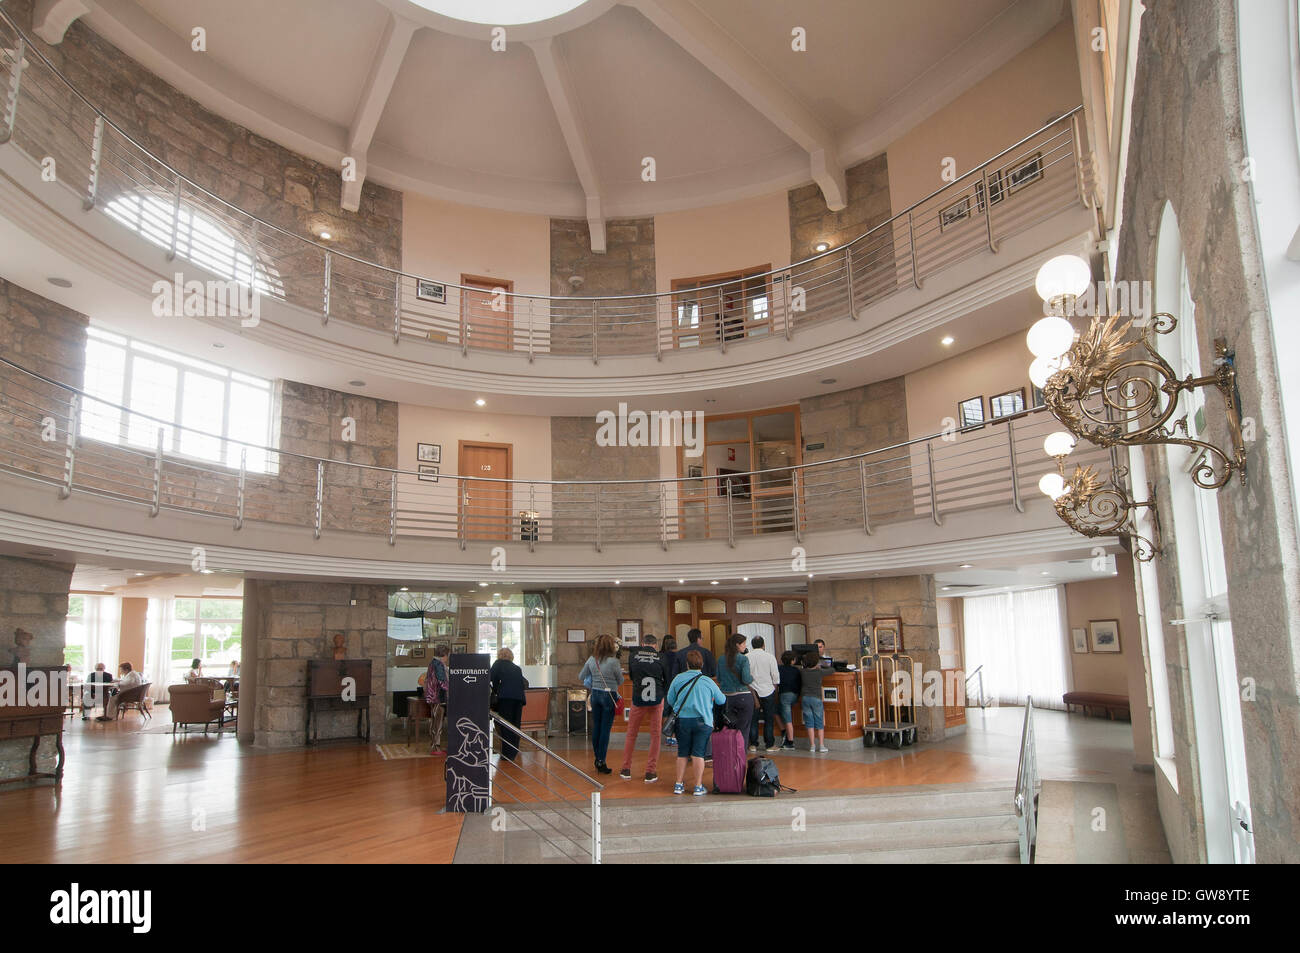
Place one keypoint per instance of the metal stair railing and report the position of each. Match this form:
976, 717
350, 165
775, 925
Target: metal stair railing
1027, 783
546, 808
45, 116
66, 437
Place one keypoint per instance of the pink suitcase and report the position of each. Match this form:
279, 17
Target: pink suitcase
729, 762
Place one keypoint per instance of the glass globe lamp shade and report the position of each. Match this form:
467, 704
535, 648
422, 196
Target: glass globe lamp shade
1041, 368
1059, 444
1052, 485
1050, 337
1061, 276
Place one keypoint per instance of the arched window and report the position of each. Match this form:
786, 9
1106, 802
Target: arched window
199, 239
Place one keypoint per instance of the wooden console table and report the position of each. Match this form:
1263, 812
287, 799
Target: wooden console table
325, 691
35, 722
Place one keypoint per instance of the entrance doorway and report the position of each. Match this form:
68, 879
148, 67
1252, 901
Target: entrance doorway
487, 312
486, 503
717, 632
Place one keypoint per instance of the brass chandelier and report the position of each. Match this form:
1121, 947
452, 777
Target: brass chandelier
1113, 388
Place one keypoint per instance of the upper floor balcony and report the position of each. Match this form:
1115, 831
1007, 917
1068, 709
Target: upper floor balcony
137, 219
80, 473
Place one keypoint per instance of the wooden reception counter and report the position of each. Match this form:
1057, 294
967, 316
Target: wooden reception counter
840, 698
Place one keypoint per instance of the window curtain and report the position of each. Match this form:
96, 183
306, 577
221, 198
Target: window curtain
102, 621
1019, 638
158, 647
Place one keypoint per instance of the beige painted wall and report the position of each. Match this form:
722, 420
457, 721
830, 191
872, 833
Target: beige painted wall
994, 368
529, 436
1009, 104
1121, 673
442, 240
722, 238
130, 646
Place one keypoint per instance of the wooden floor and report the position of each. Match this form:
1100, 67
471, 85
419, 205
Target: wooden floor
140, 796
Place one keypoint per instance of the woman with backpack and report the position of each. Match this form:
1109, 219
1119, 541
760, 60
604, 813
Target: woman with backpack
606, 679
692, 696
435, 694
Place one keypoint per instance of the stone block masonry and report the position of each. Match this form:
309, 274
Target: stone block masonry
34, 597
297, 621
266, 180
835, 607
597, 611
627, 267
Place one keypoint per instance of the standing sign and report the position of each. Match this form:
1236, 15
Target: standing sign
468, 740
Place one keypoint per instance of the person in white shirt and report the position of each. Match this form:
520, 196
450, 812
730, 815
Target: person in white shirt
762, 666
130, 678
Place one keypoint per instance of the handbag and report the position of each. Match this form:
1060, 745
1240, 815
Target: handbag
669, 726
722, 718
618, 698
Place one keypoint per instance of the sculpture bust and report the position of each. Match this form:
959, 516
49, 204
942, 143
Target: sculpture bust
340, 650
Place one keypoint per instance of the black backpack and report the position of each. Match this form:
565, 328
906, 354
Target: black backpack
762, 779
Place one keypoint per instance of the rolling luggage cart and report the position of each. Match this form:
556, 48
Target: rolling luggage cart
895, 726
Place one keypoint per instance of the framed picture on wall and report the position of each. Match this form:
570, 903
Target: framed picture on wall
427, 290
629, 632
970, 413
428, 452
428, 474
577, 635
1105, 635
1024, 172
1079, 641
460, 648
889, 634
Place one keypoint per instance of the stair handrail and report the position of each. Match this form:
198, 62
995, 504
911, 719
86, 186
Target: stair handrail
979, 671
1027, 780
498, 775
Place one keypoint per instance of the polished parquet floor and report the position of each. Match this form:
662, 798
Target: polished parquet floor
138, 796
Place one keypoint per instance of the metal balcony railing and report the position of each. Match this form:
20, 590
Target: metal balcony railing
46, 117
67, 438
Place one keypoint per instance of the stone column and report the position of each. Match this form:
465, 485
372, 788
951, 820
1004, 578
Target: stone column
33, 597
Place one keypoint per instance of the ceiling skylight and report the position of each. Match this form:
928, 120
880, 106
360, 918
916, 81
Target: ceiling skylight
500, 12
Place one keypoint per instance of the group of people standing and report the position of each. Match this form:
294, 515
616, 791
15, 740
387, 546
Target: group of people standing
691, 683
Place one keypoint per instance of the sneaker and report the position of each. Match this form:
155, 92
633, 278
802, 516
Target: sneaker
708, 761
651, 777
603, 768
823, 749
787, 746
699, 790
671, 742
625, 774
679, 788
753, 748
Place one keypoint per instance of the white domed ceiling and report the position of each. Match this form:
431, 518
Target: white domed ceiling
556, 115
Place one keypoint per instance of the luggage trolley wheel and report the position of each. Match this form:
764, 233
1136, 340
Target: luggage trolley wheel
868, 739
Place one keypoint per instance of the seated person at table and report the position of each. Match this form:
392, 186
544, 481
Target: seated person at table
93, 696
233, 671
130, 678
196, 670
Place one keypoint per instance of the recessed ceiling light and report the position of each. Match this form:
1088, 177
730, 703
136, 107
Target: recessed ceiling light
60, 282
326, 236
947, 340
139, 574
617, 582
966, 566
822, 246
946, 588
356, 383
745, 579
218, 345
713, 583
480, 402
482, 585
207, 572
681, 581
404, 589
1044, 573
828, 380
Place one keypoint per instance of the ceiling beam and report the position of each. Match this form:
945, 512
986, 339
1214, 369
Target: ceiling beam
564, 100
51, 18
714, 48
374, 96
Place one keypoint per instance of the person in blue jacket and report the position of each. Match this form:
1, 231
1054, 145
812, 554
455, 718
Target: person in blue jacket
692, 695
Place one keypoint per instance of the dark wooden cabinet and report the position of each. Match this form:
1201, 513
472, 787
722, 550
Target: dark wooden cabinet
328, 690
35, 721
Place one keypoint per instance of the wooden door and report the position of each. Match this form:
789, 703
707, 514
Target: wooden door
488, 312
486, 504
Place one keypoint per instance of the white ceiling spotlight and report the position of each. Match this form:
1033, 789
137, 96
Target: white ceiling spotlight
325, 236
947, 340
480, 402
821, 247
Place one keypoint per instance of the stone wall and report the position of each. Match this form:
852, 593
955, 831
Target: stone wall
1186, 149
297, 621
34, 597
812, 222
835, 607
855, 421
627, 267
598, 611
575, 455
292, 192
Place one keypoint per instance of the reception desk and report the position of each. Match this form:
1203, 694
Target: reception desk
841, 697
